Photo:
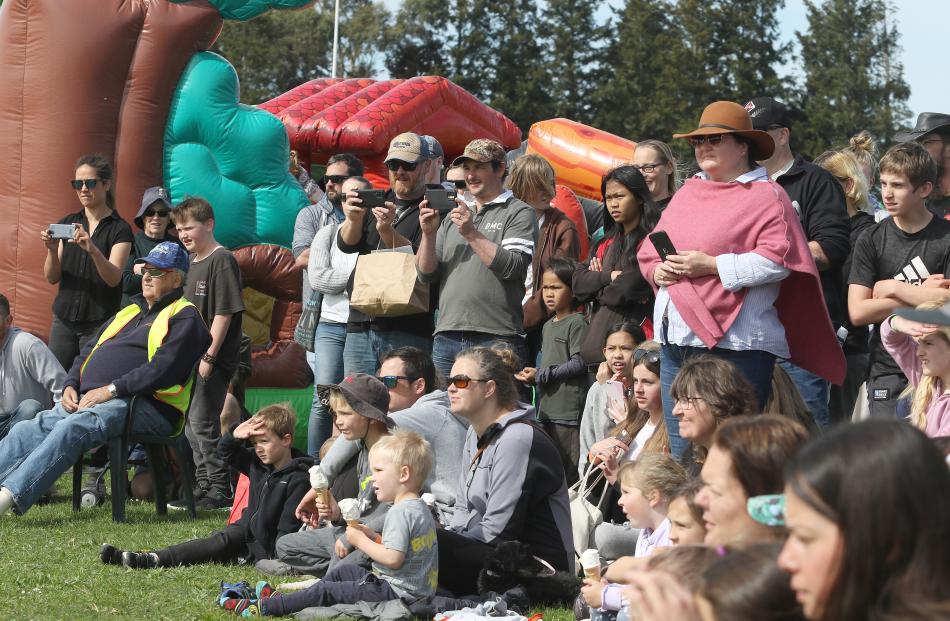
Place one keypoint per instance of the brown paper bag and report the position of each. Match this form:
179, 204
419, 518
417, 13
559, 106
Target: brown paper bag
385, 285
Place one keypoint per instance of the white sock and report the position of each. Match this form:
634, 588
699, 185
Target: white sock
6, 500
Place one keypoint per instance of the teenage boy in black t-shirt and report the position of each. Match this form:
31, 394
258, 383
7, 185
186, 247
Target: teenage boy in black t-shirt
214, 286
902, 261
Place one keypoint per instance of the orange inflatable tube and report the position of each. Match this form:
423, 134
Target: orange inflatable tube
580, 154
566, 202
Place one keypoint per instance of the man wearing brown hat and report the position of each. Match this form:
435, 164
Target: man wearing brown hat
479, 256
392, 226
819, 200
360, 404
932, 131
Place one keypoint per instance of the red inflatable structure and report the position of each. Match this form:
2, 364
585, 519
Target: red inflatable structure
361, 116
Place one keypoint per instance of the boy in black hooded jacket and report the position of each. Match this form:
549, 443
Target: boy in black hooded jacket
279, 479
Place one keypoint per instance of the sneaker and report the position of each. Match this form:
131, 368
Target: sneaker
273, 567
217, 500
243, 607
110, 555
264, 589
234, 590
182, 504
139, 560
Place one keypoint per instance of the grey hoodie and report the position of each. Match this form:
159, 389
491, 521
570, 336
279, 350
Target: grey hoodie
513, 488
28, 370
429, 417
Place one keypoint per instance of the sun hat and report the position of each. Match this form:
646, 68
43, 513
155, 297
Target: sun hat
366, 394
926, 122
155, 194
728, 117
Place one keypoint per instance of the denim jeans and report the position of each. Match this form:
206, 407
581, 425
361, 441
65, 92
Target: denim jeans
27, 410
364, 349
447, 346
757, 367
815, 392
327, 369
37, 452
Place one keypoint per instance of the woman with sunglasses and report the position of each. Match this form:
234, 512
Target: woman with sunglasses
611, 278
512, 485
741, 267
88, 266
154, 220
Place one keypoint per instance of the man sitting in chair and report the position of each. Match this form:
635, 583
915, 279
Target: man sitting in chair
148, 349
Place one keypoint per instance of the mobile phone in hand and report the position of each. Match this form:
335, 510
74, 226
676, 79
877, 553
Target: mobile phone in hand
371, 198
441, 199
62, 231
661, 241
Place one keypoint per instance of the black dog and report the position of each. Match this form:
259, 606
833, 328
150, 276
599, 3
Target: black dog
511, 564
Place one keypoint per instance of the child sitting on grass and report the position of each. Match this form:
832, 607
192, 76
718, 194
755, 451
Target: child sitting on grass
405, 557
647, 485
278, 481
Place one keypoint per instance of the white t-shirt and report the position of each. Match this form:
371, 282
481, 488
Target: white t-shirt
642, 437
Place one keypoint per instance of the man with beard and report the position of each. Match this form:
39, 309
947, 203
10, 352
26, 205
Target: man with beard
392, 226
932, 131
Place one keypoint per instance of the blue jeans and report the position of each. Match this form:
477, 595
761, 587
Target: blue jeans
327, 369
814, 390
447, 346
755, 365
27, 410
364, 349
36, 452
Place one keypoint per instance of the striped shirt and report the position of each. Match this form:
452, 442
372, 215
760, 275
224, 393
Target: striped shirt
757, 326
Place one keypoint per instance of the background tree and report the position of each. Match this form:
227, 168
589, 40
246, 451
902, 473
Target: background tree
575, 42
852, 80
644, 76
419, 41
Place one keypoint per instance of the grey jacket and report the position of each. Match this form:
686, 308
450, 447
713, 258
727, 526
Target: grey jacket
310, 219
513, 488
429, 417
28, 370
477, 298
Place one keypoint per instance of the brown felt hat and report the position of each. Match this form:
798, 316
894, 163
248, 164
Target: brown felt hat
727, 117
366, 394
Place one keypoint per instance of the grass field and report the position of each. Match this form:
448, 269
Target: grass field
50, 568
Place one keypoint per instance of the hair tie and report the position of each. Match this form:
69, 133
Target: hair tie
721, 551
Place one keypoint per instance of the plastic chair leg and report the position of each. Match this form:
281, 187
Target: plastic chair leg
118, 453
182, 451
156, 458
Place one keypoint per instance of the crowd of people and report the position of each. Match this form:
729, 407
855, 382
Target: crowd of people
676, 417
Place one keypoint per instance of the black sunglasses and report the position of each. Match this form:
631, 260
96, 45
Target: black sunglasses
337, 179
639, 354
700, 140
460, 184
462, 381
395, 165
155, 213
78, 183
391, 380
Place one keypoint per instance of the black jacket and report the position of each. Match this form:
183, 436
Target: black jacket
273, 496
819, 200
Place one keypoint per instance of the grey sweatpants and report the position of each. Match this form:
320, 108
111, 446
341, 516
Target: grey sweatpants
616, 540
313, 551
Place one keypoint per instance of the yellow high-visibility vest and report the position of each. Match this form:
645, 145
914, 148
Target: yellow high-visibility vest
177, 396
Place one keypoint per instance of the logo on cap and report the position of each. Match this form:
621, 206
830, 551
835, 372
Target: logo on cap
750, 106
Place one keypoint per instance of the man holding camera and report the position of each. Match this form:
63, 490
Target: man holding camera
393, 224
480, 258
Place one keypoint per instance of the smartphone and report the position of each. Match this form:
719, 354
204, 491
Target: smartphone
371, 198
661, 241
441, 199
62, 231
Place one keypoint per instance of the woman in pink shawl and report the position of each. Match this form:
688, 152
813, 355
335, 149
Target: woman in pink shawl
742, 284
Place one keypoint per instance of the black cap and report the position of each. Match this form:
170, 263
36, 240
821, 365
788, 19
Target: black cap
766, 112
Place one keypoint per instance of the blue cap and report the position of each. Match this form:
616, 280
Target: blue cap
167, 255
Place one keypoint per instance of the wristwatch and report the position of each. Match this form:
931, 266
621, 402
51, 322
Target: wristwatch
113, 393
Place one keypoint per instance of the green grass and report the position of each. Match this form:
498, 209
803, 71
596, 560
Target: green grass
50, 568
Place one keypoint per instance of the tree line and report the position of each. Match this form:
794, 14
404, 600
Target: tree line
647, 70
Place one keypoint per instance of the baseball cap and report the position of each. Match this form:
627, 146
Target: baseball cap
408, 147
435, 149
167, 255
481, 150
766, 112
366, 394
